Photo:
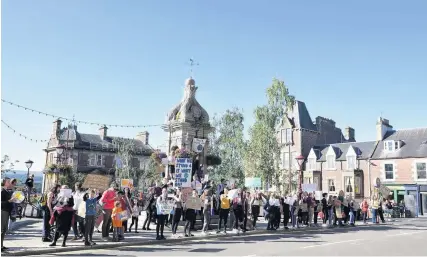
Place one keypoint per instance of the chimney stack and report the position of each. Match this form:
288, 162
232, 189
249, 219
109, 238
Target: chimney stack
143, 136
383, 126
56, 128
349, 134
103, 132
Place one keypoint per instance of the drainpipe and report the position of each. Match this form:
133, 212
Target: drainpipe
369, 178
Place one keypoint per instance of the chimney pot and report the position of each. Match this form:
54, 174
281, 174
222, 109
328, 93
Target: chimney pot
350, 134
144, 137
103, 132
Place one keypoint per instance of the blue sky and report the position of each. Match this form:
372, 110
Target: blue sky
125, 62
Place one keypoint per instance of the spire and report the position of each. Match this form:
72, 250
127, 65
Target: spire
192, 64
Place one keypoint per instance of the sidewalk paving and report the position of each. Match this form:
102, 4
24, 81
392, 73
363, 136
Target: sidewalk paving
27, 240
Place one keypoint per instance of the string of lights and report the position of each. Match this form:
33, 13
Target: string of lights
77, 121
22, 135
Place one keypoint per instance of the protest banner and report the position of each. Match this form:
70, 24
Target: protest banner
165, 207
100, 182
194, 203
253, 182
186, 193
183, 167
126, 183
310, 188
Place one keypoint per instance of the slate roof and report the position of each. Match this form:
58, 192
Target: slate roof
364, 150
414, 144
300, 117
95, 142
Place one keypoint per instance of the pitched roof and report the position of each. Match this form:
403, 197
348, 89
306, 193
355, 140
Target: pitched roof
414, 144
363, 150
300, 117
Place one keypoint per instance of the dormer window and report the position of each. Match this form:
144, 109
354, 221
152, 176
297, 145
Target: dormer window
392, 145
351, 162
311, 163
330, 161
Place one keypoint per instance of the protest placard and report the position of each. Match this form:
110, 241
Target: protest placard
186, 193
100, 182
165, 207
183, 167
310, 188
193, 203
126, 183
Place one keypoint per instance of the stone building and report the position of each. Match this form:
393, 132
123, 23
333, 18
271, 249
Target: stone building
188, 122
89, 153
397, 157
298, 133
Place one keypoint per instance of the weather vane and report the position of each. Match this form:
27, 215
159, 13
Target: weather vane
192, 64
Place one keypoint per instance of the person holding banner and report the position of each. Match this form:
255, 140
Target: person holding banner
190, 217
224, 210
255, 208
161, 217
177, 210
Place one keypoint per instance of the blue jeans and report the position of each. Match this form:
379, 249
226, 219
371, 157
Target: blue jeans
46, 225
351, 217
374, 215
331, 215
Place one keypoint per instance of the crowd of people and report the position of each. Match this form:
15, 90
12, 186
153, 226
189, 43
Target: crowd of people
89, 210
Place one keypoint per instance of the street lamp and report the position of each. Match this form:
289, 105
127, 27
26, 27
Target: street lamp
300, 159
29, 163
60, 149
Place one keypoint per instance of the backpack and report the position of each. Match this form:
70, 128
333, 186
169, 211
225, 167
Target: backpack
43, 201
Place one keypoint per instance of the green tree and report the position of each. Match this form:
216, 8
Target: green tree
261, 158
227, 142
125, 169
7, 165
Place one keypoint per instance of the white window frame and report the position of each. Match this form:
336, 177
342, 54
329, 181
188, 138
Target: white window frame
346, 178
351, 162
312, 163
416, 170
392, 145
333, 184
328, 162
385, 171
99, 158
286, 136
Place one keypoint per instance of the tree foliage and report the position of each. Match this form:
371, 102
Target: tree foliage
146, 172
227, 142
7, 165
263, 148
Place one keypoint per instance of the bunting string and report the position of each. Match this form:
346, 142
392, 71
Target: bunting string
78, 121
22, 135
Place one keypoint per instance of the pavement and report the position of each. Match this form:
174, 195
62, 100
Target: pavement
404, 237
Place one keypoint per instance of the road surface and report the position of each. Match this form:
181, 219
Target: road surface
407, 238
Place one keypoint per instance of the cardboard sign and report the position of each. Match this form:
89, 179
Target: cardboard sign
253, 182
186, 193
310, 188
65, 193
126, 183
183, 167
385, 191
165, 207
100, 182
194, 203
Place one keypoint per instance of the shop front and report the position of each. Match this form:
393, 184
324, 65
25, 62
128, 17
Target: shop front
423, 200
399, 192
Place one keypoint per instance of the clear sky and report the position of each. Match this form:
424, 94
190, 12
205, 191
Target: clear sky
124, 62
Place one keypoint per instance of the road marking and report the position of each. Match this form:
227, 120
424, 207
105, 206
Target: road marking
408, 233
333, 243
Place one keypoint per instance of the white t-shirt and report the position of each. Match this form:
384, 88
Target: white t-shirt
78, 199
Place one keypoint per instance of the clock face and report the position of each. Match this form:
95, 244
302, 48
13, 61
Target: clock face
196, 111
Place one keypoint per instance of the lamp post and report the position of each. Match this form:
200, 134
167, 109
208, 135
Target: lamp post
29, 164
300, 159
60, 150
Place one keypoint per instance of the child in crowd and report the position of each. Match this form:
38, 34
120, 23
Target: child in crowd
64, 217
135, 215
91, 202
117, 222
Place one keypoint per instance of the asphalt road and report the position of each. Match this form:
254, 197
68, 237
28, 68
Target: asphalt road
383, 240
